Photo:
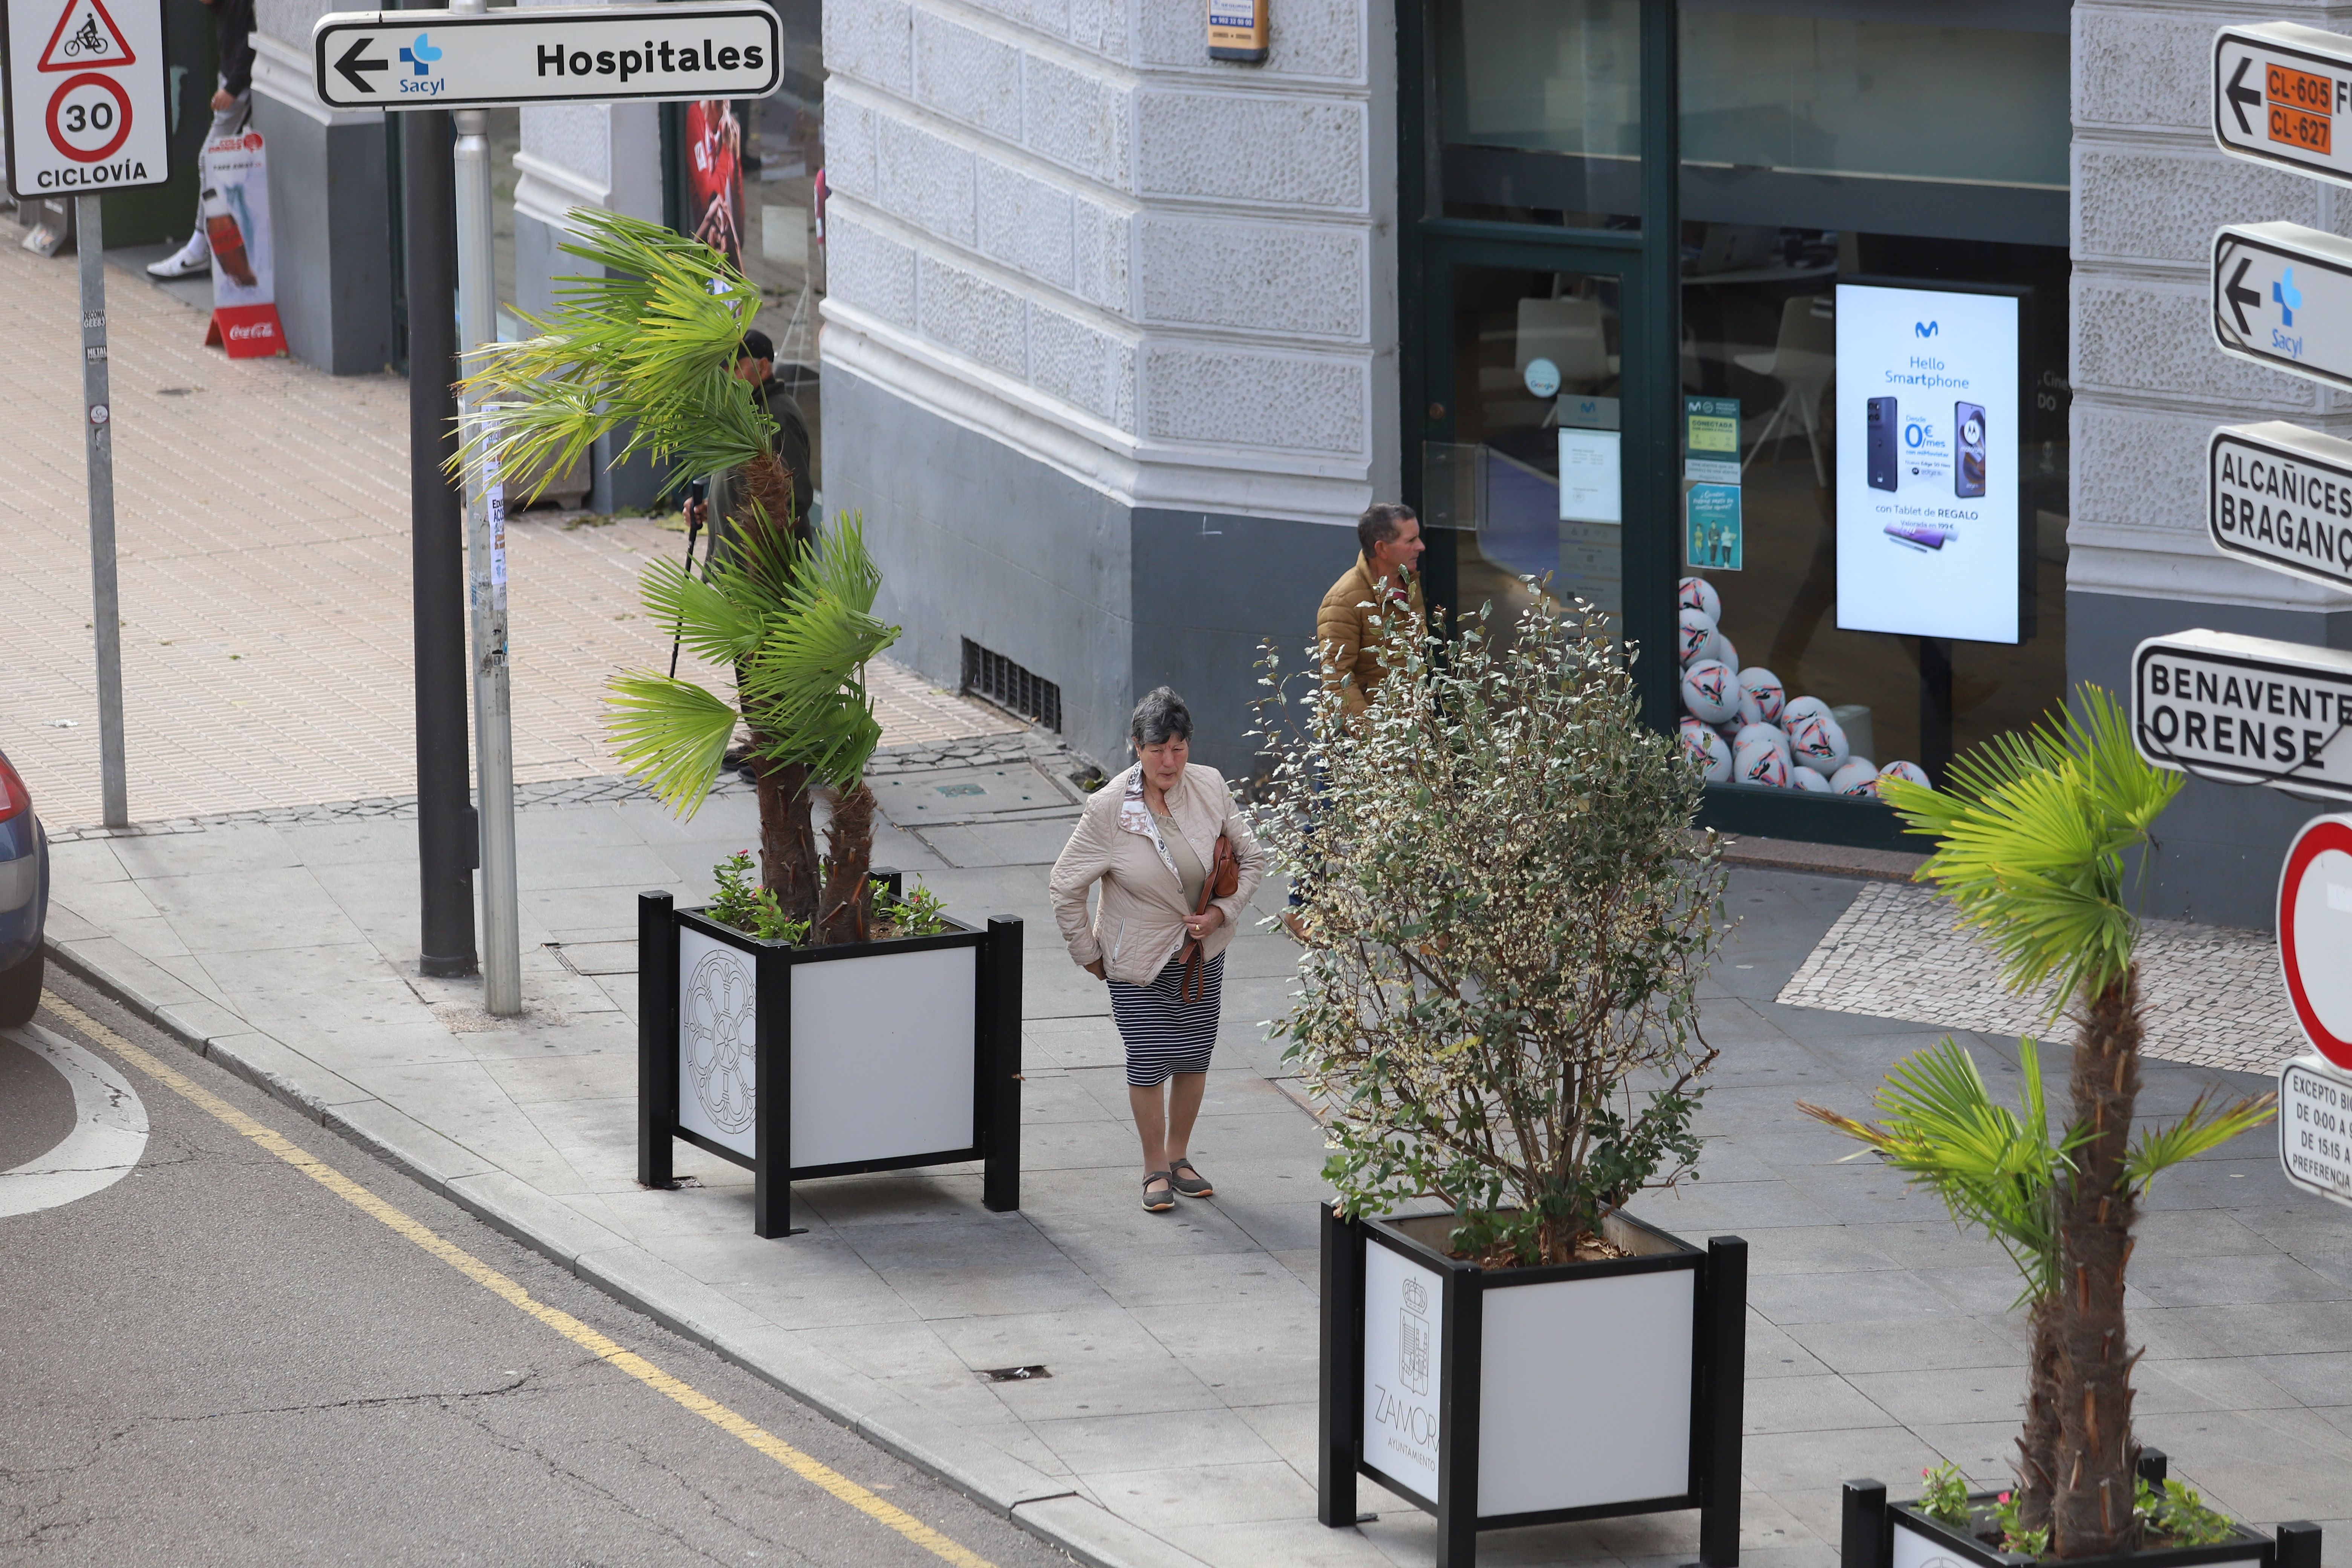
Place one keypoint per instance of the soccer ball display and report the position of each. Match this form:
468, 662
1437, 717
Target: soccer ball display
1911, 772
1808, 782
1696, 636
1817, 740
1760, 697
1699, 594
1760, 735
1710, 690
1709, 750
1761, 763
1721, 649
1859, 777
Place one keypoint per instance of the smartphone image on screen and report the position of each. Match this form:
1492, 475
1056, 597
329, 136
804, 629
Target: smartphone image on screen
1968, 436
1881, 459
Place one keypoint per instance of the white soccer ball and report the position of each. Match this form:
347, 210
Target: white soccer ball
1808, 782
1699, 594
1760, 697
1707, 750
1859, 777
1910, 772
1694, 637
1710, 690
1721, 649
1818, 741
1797, 707
1760, 735
1760, 764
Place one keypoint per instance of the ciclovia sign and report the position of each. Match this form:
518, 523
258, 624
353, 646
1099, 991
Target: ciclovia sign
2251, 710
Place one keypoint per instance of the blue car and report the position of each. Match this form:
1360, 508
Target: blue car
24, 899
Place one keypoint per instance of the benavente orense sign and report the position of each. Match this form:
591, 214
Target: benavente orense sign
594, 54
2245, 710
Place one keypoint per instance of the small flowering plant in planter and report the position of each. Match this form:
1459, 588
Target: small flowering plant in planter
2173, 1520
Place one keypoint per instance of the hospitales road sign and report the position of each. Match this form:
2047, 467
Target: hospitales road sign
2282, 296
2245, 710
600, 54
2280, 496
86, 102
2280, 91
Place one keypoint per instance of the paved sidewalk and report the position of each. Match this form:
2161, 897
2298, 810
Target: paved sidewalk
262, 514
1177, 1427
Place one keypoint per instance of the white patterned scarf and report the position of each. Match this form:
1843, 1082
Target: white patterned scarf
1135, 817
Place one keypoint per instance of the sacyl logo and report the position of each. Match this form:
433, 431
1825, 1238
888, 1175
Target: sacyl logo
419, 57
2287, 298
1925, 329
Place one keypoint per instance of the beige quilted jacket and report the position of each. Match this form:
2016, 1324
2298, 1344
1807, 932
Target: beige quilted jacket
1138, 922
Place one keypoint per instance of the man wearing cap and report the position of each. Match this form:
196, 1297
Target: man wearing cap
755, 362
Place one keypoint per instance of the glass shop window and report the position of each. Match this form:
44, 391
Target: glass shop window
1540, 111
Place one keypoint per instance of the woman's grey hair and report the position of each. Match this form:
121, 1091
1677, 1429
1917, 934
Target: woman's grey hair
1159, 718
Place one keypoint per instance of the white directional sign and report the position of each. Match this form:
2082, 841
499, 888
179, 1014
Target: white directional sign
2245, 710
2280, 496
2315, 1128
86, 105
597, 54
2282, 296
2278, 90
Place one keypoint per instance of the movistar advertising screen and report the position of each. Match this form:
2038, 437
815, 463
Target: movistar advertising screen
1926, 463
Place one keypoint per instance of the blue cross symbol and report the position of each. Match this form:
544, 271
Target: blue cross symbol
2287, 297
422, 55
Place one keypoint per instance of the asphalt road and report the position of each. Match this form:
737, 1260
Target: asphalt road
218, 1360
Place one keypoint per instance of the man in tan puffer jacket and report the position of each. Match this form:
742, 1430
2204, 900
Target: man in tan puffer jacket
1382, 585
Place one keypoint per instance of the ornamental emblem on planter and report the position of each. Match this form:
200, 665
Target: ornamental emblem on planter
1413, 1338
718, 1028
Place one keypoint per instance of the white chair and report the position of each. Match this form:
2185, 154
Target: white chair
1802, 361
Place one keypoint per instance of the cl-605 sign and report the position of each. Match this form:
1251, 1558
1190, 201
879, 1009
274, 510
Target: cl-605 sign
2245, 710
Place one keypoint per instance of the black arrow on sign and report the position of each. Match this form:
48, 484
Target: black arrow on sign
2241, 298
2241, 98
354, 62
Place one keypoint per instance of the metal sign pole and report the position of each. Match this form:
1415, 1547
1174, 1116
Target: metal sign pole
106, 603
487, 563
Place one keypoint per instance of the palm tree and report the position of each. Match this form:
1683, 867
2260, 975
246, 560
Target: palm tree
646, 345
2035, 838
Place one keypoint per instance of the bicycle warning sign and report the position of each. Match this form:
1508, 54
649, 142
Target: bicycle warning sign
86, 98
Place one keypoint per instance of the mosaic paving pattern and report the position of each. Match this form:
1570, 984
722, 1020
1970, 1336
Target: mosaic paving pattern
2214, 997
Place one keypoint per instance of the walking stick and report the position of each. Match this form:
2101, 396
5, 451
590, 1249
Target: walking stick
693, 527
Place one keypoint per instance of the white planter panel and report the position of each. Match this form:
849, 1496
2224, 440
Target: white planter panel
882, 1055
1404, 1329
1584, 1392
718, 1041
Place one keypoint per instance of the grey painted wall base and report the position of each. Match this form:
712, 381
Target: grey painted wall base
2219, 847
331, 221
1108, 601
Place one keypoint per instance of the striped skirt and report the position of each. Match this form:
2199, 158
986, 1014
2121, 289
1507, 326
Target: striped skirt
1164, 1035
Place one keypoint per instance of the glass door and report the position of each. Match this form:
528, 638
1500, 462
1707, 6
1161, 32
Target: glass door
1534, 452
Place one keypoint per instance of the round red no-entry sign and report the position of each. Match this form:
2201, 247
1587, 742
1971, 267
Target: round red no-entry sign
2314, 930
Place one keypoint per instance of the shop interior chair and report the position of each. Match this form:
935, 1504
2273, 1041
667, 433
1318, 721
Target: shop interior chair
1802, 361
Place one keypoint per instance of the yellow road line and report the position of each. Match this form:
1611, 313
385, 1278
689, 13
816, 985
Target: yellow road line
808, 1468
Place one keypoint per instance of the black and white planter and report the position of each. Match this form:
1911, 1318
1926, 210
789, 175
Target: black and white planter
1875, 1534
1494, 1398
801, 1062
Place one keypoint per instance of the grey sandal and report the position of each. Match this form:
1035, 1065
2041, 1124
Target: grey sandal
1195, 1185
1161, 1200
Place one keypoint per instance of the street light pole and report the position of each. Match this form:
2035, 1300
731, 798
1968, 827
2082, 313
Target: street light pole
447, 841
486, 547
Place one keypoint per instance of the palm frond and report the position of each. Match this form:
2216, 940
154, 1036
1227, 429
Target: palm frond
717, 626
2033, 837
645, 344
671, 735
2201, 1130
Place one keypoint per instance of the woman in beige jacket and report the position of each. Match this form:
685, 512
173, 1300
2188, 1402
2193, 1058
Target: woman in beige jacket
1148, 838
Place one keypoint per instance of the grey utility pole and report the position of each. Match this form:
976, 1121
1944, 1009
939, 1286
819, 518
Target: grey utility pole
106, 599
486, 544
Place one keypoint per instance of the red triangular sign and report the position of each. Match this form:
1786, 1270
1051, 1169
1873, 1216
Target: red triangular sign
86, 39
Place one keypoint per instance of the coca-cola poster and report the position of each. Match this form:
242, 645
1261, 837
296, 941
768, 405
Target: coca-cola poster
235, 174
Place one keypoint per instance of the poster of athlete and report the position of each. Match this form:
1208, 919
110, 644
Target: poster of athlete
714, 176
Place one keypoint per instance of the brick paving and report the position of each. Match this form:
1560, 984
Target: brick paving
2212, 993
262, 519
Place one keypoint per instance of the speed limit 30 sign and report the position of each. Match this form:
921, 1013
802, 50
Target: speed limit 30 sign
86, 100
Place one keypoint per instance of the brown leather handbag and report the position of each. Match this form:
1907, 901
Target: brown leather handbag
1223, 880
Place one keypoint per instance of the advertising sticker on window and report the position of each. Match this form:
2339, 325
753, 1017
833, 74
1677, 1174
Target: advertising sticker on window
1927, 428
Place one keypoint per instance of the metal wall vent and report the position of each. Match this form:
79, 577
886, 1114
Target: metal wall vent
1009, 687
